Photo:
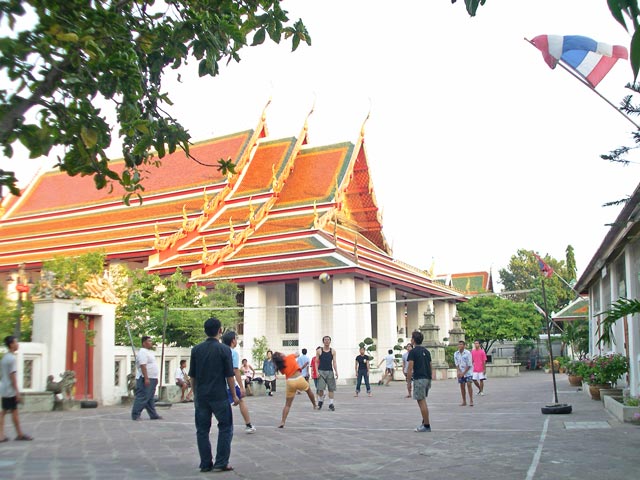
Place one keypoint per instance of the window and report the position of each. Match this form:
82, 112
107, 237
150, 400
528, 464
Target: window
167, 366
27, 376
290, 343
116, 371
240, 300
291, 314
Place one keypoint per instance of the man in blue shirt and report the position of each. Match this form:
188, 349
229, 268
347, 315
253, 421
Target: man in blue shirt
303, 362
211, 373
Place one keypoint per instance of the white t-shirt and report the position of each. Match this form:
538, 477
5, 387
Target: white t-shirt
146, 357
389, 360
9, 366
179, 374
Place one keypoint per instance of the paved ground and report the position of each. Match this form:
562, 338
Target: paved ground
504, 436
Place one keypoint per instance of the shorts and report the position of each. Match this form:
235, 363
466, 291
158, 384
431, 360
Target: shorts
238, 393
9, 404
479, 376
296, 384
180, 382
421, 388
463, 380
326, 380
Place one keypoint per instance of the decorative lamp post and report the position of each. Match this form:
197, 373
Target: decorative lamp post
161, 289
21, 287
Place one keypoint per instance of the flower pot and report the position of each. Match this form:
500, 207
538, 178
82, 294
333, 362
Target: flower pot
575, 380
594, 390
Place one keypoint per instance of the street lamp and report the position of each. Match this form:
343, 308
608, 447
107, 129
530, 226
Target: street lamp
21, 287
161, 289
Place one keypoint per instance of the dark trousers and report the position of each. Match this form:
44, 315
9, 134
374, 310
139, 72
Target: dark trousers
221, 409
145, 398
363, 374
270, 385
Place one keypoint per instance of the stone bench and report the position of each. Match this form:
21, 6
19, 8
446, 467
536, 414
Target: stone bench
170, 393
37, 402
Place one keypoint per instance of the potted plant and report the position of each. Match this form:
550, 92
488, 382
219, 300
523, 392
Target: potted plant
574, 370
604, 371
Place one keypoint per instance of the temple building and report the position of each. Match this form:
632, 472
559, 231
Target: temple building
289, 213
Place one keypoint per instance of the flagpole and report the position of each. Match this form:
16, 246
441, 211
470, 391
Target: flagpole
586, 84
546, 317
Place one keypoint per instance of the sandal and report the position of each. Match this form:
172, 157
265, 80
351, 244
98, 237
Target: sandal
5, 439
226, 468
24, 438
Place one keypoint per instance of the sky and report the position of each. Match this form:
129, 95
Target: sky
476, 147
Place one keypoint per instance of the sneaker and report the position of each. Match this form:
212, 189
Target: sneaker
422, 428
481, 394
320, 405
332, 407
250, 429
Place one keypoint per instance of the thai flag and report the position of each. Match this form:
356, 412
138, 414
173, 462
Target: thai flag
546, 270
590, 59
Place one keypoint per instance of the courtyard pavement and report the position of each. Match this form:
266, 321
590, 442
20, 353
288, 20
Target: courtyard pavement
504, 436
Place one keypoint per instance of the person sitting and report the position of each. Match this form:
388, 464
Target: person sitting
249, 373
182, 380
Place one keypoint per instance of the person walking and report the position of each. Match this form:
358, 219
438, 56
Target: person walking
146, 382
405, 367
479, 358
327, 372
211, 373
296, 383
389, 361
231, 340
419, 370
362, 372
9, 391
269, 372
464, 364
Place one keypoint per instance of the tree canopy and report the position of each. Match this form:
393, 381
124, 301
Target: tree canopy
490, 319
523, 273
64, 59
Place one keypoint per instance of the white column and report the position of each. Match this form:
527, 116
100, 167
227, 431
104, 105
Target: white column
363, 310
50, 319
310, 334
254, 318
103, 354
387, 321
343, 336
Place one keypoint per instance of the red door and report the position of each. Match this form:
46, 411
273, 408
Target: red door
80, 354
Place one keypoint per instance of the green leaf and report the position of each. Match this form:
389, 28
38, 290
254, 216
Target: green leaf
259, 37
616, 10
634, 56
89, 137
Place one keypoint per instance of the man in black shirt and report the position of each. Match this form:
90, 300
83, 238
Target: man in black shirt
211, 373
419, 370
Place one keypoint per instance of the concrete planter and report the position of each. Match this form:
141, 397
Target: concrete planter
620, 411
37, 402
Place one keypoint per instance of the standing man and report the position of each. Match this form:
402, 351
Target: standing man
303, 363
327, 372
419, 369
231, 340
146, 382
405, 368
479, 358
211, 373
464, 364
9, 390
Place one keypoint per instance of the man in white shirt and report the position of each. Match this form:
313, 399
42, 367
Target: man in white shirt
9, 389
182, 380
146, 382
389, 361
